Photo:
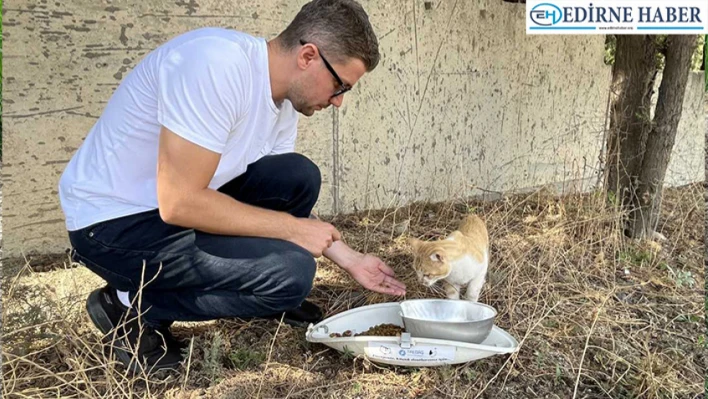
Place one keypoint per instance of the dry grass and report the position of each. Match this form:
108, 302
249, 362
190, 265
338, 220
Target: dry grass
596, 315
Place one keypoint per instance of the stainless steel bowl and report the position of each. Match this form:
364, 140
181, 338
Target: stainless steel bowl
448, 319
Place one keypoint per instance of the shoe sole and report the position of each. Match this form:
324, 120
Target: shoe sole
101, 320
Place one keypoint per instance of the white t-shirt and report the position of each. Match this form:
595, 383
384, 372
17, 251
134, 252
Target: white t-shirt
210, 86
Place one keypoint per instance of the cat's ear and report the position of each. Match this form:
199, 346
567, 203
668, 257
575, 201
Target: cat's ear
437, 257
415, 243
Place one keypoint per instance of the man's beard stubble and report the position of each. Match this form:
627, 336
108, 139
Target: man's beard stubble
299, 101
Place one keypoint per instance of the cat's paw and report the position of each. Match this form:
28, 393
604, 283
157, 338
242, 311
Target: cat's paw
472, 297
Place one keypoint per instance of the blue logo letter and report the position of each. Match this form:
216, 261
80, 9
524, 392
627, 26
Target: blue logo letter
546, 14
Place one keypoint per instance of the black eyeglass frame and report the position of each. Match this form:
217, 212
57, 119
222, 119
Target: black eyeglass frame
343, 87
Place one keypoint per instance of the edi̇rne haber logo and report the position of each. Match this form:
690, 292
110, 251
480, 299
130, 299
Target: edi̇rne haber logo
617, 17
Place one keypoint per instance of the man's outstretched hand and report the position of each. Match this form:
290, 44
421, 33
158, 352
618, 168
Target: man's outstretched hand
375, 275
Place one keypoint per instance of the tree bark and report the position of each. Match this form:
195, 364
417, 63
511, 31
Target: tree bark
660, 141
633, 75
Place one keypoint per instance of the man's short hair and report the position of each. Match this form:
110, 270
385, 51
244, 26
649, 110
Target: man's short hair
340, 29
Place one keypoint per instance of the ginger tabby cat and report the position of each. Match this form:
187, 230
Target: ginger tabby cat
459, 260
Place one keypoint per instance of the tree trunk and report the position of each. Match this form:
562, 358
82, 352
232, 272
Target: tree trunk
660, 141
633, 76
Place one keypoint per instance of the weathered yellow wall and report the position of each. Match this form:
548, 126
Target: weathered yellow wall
462, 102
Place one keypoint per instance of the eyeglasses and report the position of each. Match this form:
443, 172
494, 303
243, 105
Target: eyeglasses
343, 87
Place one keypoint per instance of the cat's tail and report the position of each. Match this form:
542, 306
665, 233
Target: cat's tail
474, 227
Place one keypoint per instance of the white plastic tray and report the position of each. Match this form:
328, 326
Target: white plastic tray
404, 350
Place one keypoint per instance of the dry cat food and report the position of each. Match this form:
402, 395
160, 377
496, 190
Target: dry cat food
382, 330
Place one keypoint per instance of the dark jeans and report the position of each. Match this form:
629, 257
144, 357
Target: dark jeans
189, 275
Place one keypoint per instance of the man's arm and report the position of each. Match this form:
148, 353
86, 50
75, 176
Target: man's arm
184, 171
340, 253
369, 271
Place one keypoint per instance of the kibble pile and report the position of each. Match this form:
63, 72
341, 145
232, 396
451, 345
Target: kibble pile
381, 330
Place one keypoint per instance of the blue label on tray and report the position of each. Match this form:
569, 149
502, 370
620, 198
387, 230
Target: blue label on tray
418, 353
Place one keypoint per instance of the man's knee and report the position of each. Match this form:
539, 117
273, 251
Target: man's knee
293, 282
302, 269
304, 173
291, 169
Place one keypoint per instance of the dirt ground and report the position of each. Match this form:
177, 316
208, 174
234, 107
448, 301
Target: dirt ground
596, 315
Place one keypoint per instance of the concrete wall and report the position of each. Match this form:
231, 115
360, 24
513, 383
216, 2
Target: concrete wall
686, 164
462, 103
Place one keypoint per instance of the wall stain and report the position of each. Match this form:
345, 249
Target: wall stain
123, 38
191, 6
22, 226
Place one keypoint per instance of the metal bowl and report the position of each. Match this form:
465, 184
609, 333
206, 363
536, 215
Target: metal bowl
449, 319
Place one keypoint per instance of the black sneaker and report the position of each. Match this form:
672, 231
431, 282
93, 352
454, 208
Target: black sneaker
172, 341
123, 329
301, 316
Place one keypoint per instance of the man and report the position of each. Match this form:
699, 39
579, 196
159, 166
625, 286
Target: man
186, 196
